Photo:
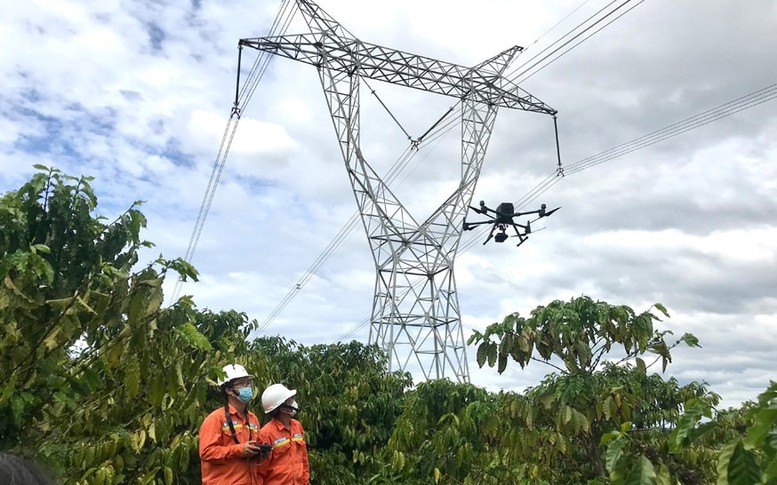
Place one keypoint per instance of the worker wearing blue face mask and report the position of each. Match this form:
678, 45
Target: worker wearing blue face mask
229, 451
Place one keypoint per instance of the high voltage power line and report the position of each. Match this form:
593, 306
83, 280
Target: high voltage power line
711, 115
397, 168
576, 33
279, 26
521, 73
242, 97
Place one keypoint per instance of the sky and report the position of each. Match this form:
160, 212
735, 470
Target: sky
137, 94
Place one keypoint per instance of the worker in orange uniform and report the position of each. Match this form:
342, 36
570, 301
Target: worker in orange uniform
288, 461
229, 449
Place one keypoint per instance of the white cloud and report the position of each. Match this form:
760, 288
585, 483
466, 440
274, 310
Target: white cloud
138, 93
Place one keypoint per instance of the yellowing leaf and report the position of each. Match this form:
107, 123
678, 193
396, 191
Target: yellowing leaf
85, 305
132, 378
115, 352
662, 309
663, 477
50, 342
152, 431
10, 284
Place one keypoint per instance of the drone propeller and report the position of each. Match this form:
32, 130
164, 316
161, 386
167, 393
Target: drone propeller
542, 213
545, 213
482, 209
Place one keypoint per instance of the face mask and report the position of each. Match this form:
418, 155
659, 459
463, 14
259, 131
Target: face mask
291, 410
245, 394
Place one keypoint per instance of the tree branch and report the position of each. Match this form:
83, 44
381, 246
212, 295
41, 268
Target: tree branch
564, 371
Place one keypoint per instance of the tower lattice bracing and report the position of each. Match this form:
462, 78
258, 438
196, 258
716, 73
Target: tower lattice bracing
416, 317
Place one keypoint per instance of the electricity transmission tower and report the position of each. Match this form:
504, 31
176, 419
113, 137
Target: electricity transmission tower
415, 313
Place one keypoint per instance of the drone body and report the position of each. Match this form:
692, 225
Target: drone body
502, 218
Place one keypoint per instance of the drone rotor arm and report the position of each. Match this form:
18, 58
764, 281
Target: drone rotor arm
479, 223
519, 214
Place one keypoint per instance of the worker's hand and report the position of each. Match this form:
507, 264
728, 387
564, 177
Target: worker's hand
250, 449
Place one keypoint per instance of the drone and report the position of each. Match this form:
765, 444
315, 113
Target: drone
503, 217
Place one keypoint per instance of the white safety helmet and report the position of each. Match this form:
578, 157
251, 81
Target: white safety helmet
232, 372
275, 395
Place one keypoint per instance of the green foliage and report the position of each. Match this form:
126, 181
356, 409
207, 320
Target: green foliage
752, 459
102, 383
107, 386
453, 433
742, 441
349, 403
740, 466
570, 412
578, 333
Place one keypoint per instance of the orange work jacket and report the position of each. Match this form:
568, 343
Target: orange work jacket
288, 462
221, 459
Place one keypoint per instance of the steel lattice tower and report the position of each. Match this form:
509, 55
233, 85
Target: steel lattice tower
415, 312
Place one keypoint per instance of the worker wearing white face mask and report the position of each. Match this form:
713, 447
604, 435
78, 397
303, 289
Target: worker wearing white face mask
288, 461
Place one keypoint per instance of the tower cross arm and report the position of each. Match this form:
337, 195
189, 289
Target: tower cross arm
403, 68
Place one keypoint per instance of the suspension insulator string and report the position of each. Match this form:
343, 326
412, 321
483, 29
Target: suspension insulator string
560, 169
